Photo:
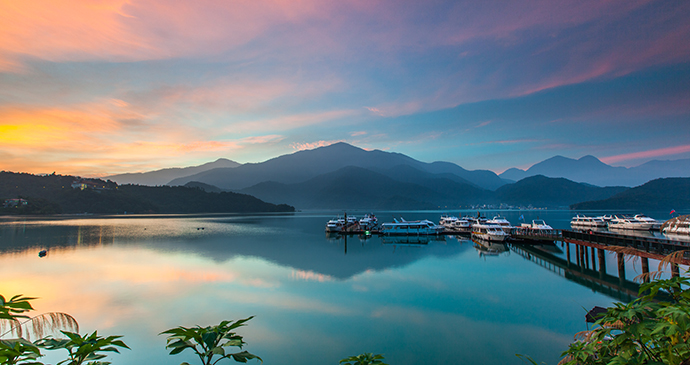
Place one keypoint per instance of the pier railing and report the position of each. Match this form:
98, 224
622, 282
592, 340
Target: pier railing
659, 246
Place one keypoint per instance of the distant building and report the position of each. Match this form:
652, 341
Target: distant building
13, 203
88, 184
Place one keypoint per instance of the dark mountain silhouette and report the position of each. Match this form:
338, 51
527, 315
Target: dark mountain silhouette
589, 169
659, 194
304, 165
359, 188
542, 191
205, 187
162, 177
53, 194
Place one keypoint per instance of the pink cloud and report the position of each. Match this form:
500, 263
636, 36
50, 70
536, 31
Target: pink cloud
311, 145
669, 151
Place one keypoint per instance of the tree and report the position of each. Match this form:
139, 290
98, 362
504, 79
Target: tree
207, 342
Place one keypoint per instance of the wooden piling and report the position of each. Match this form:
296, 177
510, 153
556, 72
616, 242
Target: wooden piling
602, 262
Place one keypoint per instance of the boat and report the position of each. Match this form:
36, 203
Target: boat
335, 225
463, 225
368, 222
537, 225
448, 222
624, 222
403, 227
582, 221
678, 226
541, 225
489, 232
656, 225
455, 224
498, 220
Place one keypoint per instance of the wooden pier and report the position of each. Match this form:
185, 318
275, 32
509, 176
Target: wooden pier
525, 235
648, 247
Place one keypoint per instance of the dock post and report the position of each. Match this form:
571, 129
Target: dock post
621, 266
586, 265
645, 268
567, 249
602, 263
582, 258
594, 259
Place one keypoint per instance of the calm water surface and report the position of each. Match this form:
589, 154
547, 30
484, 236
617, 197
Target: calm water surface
315, 299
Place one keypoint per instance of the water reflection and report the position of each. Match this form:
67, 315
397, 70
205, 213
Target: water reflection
488, 248
316, 298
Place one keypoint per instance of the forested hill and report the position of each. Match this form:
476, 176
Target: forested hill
659, 194
55, 194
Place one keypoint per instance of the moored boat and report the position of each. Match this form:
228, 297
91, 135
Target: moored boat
455, 224
335, 225
368, 222
678, 226
656, 225
489, 232
403, 227
500, 221
624, 222
582, 221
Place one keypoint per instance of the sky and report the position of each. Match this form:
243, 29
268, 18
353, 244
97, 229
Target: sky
95, 88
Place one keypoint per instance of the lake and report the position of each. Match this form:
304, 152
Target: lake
316, 299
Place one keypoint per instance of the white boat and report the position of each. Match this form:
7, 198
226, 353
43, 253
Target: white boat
421, 227
581, 221
628, 223
537, 224
368, 222
678, 226
489, 232
656, 225
455, 224
463, 225
448, 222
335, 225
498, 220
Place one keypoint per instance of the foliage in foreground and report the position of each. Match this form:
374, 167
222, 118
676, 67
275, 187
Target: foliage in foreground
644, 331
208, 342
364, 359
81, 350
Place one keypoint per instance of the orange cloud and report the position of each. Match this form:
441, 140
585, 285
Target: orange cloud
99, 138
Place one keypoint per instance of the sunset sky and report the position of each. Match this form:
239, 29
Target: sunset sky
93, 88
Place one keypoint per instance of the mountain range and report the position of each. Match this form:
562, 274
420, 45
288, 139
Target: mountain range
343, 176
164, 176
590, 170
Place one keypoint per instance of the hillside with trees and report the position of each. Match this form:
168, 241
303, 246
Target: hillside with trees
22, 193
659, 194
